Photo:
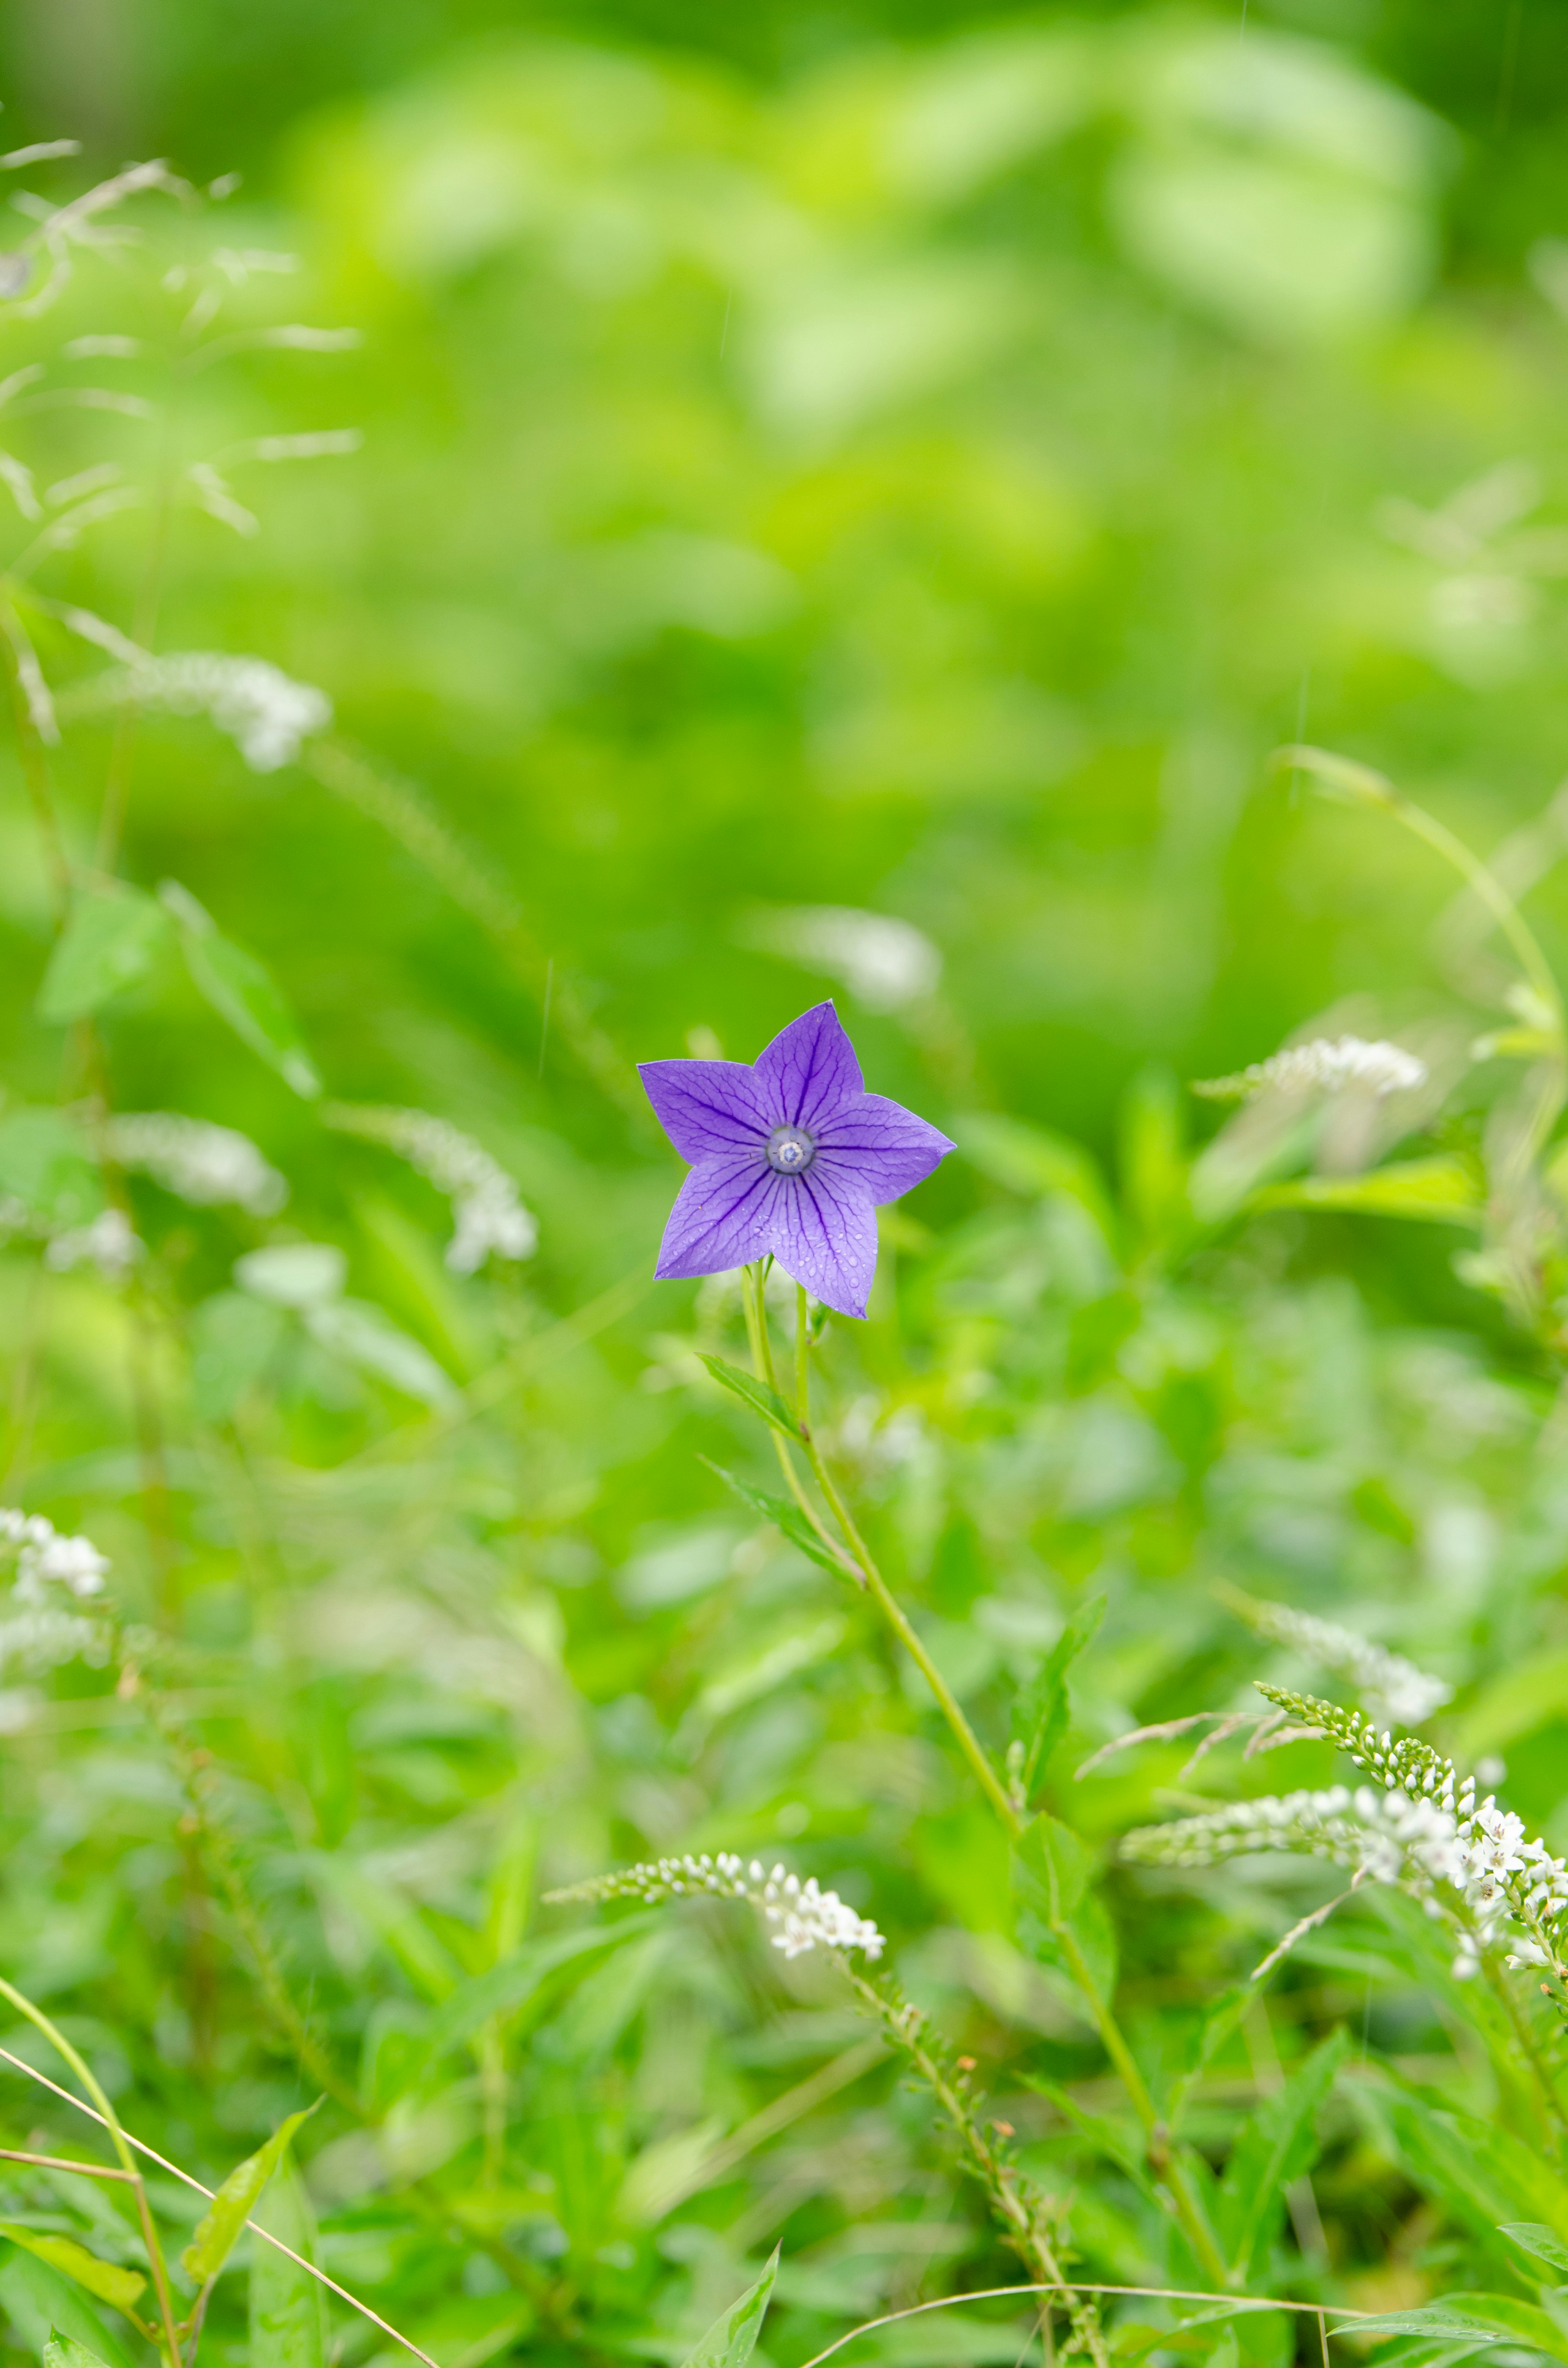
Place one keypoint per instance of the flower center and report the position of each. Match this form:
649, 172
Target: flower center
790, 1150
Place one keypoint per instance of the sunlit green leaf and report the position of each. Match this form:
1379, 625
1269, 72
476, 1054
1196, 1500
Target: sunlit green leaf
1442, 1189
732, 2339
754, 1395
241, 991
108, 942
785, 1517
106, 2280
219, 2227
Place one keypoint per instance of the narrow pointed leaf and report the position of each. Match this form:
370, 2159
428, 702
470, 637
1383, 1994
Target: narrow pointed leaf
1442, 1191
65, 2351
1277, 2145
1534, 2239
754, 1395
106, 2280
784, 1516
730, 2341
1040, 1712
241, 991
37, 2302
219, 2228
108, 942
285, 2317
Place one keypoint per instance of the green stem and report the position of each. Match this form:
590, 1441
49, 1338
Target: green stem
1012, 1820
62, 2047
1502, 1989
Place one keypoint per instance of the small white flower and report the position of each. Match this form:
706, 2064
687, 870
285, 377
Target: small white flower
199, 1162
1387, 1681
266, 713
1326, 1065
488, 1214
806, 1917
885, 963
107, 1243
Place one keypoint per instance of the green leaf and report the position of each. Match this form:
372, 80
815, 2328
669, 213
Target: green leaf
1055, 1867
218, 2230
286, 2317
65, 2351
1277, 2145
503, 1989
1154, 1162
1537, 2239
38, 2301
356, 1330
1441, 1191
1040, 1712
786, 1517
1428, 2319
730, 2341
111, 937
1030, 1159
241, 991
106, 2280
754, 1393
44, 1163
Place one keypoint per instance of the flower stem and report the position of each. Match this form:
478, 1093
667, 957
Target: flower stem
1503, 1990
62, 2047
1168, 2168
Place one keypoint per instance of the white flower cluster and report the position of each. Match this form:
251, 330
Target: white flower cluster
490, 1217
264, 713
806, 1917
1389, 1682
885, 963
198, 1162
1432, 1839
37, 1634
1326, 1065
44, 1554
109, 1243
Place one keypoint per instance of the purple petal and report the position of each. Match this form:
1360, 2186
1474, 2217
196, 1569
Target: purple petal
882, 1145
824, 1232
708, 1108
808, 1069
722, 1215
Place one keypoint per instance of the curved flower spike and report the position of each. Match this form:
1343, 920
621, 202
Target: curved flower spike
789, 1156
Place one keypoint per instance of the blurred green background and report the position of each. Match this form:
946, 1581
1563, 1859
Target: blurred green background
889, 459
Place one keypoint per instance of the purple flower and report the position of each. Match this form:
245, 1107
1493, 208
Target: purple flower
789, 1156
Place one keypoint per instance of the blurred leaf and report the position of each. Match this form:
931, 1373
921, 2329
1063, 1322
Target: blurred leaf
1153, 1161
1275, 2146
1030, 1159
355, 1329
37, 2300
241, 991
111, 938
44, 1163
219, 2227
287, 2327
1444, 1190
1055, 1865
785, 1517
1535, 2239
233, 1340
505, 1987
65, 2351
732, 2339
294, 1274
754, 1395
1041, 1711
106, 2280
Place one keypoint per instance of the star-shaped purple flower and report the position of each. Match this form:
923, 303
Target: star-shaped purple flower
789, 1156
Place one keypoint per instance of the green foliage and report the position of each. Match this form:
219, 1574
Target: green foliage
732, 2339
108, 942
218, 2230
105, 2279
285, 2317
65, 2351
